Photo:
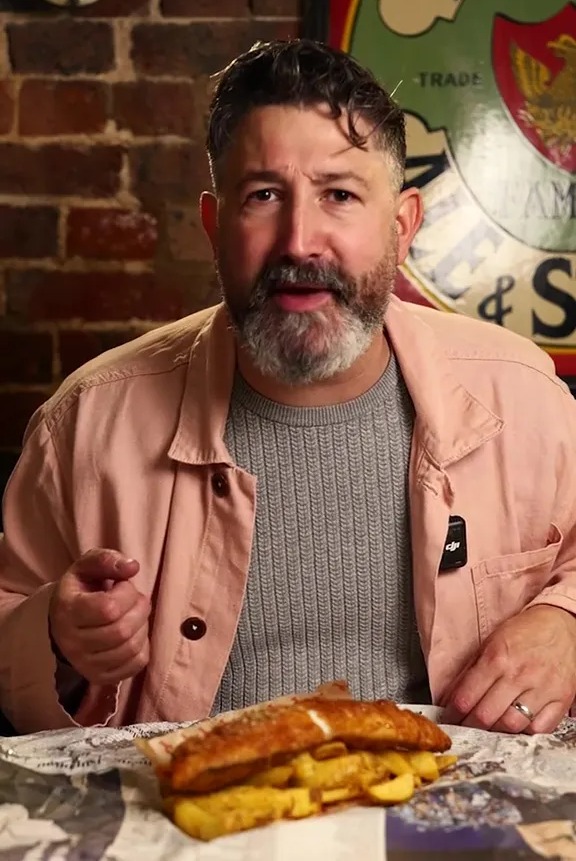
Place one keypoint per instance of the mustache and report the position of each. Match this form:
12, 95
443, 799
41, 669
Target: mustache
324, 276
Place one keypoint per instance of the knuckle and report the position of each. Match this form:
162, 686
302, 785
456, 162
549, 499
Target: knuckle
132, 649
97, 553
512, 723
123, 631
110, 612
483, 718
497, 658
462, 703
85, 559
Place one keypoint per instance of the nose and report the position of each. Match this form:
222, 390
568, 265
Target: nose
301, 235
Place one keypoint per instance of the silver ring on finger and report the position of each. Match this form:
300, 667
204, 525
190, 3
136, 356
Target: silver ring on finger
524, 710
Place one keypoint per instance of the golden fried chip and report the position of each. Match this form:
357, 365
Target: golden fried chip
395, 791
330, 750
423, 763
396, 763
334, 796
278, 776
240, 808
445, 761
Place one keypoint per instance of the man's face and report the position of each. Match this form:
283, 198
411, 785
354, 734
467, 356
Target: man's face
307, 237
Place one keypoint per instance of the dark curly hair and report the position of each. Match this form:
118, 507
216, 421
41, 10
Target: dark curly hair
304, 72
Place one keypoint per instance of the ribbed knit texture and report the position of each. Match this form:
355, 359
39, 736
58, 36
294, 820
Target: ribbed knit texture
329, 592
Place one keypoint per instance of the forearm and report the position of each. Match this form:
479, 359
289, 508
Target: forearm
37, 692
28, 691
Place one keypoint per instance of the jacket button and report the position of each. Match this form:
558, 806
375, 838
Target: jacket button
220, 484
193, 628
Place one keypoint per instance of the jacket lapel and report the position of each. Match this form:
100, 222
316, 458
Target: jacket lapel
450, 423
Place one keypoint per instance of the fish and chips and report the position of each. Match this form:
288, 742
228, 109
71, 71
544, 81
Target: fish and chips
294, 758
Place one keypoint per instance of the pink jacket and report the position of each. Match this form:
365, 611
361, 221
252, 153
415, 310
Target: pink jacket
129, 454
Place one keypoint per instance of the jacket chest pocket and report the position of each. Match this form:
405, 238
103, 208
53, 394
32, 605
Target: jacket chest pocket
504, 585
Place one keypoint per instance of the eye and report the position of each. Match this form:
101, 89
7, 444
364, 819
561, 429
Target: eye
340, 195
261, 195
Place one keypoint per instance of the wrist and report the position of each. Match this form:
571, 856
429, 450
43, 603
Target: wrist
553, 610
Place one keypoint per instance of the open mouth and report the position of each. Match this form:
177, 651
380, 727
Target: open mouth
301, 297
300, 289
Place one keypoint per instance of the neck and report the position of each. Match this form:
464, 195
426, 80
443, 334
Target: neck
350, 384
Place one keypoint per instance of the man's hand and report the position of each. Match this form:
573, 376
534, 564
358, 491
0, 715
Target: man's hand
530, 659
99, 620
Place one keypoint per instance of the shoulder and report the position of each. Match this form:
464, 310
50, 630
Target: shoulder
156, 354
465, 340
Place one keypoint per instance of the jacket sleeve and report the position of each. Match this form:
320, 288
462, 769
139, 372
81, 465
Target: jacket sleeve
38, 546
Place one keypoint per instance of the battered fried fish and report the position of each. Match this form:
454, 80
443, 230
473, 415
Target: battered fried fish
235, 751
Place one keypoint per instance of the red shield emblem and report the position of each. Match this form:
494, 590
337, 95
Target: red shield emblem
535, 68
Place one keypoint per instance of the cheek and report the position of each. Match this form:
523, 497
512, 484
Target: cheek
244, 249
361, 251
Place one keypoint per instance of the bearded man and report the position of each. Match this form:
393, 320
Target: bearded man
310, 481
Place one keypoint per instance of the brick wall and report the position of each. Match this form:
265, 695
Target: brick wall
102, 120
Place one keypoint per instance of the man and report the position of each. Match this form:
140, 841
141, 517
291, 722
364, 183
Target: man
312, 481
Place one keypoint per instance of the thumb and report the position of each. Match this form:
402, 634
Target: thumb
100, 569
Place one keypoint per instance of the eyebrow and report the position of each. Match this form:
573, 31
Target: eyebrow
330, 177
324, 178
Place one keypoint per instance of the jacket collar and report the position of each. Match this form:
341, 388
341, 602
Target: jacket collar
199, 438
450, 421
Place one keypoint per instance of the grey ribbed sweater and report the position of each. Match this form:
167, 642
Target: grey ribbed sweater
329, 591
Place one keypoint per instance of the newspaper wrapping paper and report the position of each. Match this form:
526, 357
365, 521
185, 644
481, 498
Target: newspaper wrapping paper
91, 795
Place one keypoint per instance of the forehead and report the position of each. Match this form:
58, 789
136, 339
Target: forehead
285, 137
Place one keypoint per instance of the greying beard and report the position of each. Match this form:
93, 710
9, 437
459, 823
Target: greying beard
312, 346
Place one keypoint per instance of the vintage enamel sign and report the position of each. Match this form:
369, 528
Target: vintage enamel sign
489, 89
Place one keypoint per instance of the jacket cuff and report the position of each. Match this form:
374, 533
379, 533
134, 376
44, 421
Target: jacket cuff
28, 671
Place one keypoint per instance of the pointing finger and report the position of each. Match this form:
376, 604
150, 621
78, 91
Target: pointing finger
94, 569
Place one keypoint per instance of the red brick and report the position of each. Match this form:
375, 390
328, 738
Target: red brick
28, 231
93, 296
78, 346
185, 237
111, 234
155, 107
25, 356
7, 107
205, 8
61, 46
268, 31
53, 169
113, 9
279, 8
188, 50
62, 107
169, 172
101, 9
16, 408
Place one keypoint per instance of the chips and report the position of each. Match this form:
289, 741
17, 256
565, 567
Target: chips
307, 785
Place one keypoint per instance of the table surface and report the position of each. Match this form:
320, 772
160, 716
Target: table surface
90, 795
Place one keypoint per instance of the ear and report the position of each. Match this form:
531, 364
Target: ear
409, 217
209, 215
